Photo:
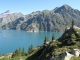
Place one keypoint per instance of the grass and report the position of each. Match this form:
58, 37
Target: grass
15, 58
75, 58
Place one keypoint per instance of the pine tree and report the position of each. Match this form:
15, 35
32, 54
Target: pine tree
73, 23
17, 52
30, 49
23, 52
66, 25
53, 38
13, 55
20, 51
46, 40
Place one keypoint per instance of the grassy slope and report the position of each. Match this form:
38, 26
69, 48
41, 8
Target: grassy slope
58, 47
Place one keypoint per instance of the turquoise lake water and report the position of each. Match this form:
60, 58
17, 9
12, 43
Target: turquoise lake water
10, 40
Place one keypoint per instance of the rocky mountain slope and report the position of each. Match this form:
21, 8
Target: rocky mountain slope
46, 20
65, 48
8, 16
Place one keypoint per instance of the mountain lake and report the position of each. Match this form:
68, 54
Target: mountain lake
10, 40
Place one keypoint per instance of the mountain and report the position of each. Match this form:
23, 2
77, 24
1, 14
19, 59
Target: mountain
8, 12
8, 16
46, 20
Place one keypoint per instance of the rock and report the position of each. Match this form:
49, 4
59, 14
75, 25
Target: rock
1, 57
76, 27
47, 42
76, 52
65, 56
69, 42
21, 59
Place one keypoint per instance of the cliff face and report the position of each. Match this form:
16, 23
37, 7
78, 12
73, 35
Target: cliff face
46, 20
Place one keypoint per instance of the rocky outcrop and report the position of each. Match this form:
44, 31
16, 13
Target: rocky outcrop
67, 56
76, 52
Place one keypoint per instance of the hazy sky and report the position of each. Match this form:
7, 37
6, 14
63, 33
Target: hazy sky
28, 6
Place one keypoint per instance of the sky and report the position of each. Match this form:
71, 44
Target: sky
29, 6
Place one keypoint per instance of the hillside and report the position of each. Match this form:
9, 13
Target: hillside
46, 20
60, 49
